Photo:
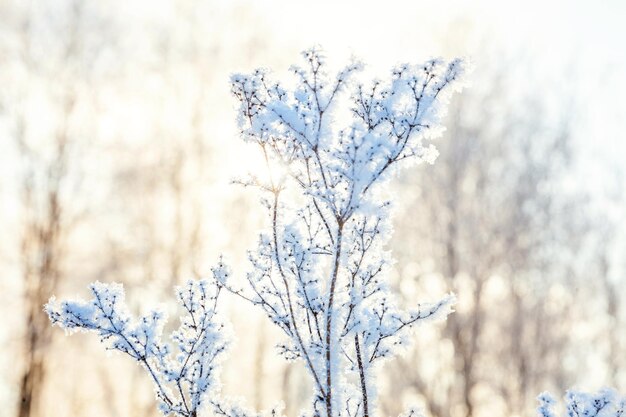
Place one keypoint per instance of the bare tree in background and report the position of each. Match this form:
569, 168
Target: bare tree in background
492, 218
44, 185
608, 243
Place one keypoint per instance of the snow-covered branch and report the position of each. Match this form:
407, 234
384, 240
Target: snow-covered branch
319, 270
182, 375
604, 403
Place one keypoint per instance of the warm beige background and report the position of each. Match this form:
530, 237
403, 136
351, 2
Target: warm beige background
138, 92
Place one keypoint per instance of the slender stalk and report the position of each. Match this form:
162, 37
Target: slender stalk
292, 315
329, 319
359, 360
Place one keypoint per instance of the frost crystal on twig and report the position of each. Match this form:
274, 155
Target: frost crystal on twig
604, 403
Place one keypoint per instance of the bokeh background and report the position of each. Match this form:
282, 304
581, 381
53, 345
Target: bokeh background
118, 142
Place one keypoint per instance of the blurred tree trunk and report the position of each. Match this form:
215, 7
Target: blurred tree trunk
44, 159
41, 253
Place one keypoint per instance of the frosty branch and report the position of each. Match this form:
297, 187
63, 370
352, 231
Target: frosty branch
318, 272
182, 377
605, 403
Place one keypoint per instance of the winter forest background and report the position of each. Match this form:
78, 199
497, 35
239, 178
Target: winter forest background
119, 142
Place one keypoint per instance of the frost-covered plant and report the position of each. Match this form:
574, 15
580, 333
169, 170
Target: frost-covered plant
605, 403
319, 270
182, 376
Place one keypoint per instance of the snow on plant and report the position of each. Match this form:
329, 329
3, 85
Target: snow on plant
318, 272
605, 403
182, 376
